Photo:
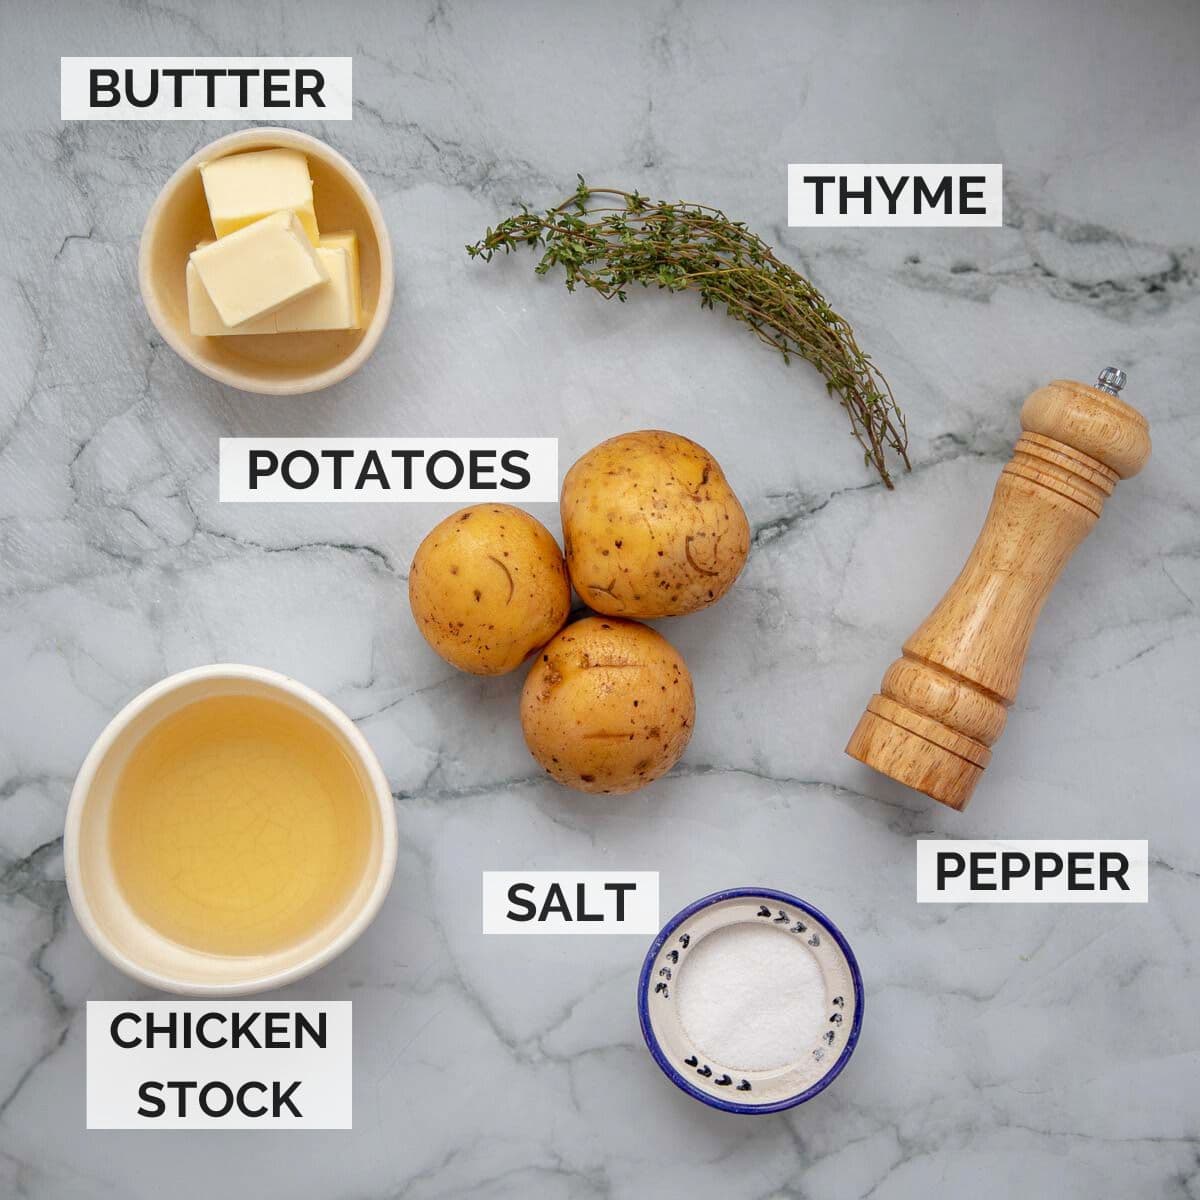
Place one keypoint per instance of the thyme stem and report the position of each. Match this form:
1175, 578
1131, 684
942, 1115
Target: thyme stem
693, 247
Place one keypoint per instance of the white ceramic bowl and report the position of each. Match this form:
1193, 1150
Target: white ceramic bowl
121, 935
280, 364
728, 1086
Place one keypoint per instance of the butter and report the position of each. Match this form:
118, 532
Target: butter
203, 318
244, 188
335, 305
342, 239
259, 268
348, 240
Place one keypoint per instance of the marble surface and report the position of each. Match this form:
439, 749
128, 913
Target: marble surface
1016, 1050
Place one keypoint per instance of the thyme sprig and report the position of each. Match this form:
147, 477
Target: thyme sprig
607, 239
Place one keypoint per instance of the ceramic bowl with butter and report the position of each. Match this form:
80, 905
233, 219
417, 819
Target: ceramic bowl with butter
280, 356
230, 831
750, 1001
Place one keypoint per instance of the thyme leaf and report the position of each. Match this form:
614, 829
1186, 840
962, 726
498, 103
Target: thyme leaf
607, 239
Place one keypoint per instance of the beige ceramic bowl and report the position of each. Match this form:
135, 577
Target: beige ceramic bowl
281, 364
134, 946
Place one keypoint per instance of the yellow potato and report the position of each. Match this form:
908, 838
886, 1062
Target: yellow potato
608, 706
651, 526
488, 587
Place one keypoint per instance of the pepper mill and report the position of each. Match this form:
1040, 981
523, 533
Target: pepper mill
944, 702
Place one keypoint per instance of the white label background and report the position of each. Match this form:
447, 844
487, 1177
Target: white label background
75, 90
324, 1097
541, 463
802, 196
641, 904
1022, 891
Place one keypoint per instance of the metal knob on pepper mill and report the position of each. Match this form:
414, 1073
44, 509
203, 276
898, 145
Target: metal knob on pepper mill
944, 701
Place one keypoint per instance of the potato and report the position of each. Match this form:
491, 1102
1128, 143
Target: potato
608, 706
488, 588
651, 526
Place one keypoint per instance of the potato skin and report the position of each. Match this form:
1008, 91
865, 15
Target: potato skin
608, 706
488, 587
651, 526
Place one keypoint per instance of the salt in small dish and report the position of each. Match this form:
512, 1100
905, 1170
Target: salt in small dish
742, 1086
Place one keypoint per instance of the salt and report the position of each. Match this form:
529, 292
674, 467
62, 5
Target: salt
752, 997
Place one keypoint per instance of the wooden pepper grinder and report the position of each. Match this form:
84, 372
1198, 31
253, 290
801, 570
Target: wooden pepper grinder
944, 702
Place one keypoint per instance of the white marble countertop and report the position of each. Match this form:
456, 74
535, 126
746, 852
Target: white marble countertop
1014, 1050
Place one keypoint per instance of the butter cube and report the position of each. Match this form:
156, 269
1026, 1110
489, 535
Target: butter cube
337, 304
347, 239
203, 317
244, 188
259, 268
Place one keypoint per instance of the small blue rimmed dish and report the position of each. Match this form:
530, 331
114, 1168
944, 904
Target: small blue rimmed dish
727, 1085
